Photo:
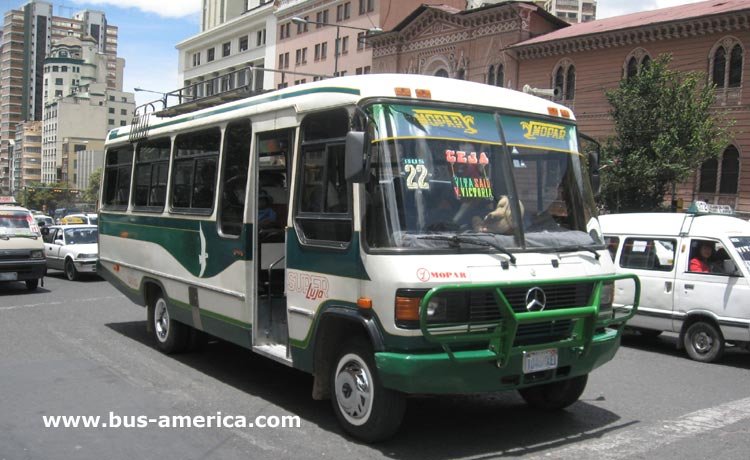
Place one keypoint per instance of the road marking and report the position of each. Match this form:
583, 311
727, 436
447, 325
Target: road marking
648, 437
46, 304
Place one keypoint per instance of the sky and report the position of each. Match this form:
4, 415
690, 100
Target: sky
150, 29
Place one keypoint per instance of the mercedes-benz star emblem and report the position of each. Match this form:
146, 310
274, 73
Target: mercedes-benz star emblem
536, 299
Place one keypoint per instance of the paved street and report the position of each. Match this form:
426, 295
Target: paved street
80, 348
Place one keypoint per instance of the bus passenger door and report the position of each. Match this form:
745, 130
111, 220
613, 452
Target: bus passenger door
271, 196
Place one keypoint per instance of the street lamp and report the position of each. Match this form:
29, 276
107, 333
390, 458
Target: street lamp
371, 31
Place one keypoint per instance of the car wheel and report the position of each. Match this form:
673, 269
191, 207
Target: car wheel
556, 395
70, 270
171, 336
364, 407
31, 285
703, 342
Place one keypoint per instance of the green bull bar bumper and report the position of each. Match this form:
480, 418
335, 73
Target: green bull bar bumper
477, 357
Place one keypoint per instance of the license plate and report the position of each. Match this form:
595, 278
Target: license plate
10, 276
535, 361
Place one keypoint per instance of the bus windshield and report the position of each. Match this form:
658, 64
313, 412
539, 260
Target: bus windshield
16, 223
442, 177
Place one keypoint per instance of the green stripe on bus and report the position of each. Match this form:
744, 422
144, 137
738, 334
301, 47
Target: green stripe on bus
181, 238
346, 263
114, 134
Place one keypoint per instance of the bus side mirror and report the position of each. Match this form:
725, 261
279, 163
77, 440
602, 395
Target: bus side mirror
356, 163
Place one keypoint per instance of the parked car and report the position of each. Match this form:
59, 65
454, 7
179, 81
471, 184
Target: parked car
71, 248
21, 247
695, 276
84, 218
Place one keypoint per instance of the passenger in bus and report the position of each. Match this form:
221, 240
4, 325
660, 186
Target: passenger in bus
699, 263
266, 214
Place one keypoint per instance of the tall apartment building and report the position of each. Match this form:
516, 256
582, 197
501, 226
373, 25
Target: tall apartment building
28, 33
571, 11
234, 34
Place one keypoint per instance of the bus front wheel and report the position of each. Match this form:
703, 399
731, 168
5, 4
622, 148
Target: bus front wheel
555, 395
364, 407
171, 336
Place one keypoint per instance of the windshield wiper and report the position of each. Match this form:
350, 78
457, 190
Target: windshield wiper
456, 241
578, 248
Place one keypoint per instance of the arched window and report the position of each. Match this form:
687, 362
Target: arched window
564, 80
721, 175
635, 62
442, 73
570, 83
709, 169
735, 66
720, 64
496, 75
730, 170
726, 61
632, 68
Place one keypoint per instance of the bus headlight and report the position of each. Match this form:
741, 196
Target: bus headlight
37, 254
606, 297
437, 309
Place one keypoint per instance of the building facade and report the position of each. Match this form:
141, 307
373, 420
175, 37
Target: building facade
234, 35
465, 44
572, 11
26, 155
28, 33
586, 60
310, 51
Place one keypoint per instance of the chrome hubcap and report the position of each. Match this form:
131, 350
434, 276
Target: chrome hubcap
702, 342
161, 320
354, 389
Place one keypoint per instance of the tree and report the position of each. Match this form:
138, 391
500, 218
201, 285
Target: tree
665, 129
91, 194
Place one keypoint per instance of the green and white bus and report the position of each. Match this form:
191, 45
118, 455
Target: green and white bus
389, 234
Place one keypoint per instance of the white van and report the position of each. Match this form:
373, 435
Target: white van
695, 276
21, 249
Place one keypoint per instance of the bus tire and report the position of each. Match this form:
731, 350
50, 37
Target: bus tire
170, 336
703, 342
31, 285
70, 270
364, 407
555, 395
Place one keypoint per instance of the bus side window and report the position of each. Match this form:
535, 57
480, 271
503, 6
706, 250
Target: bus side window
234, 173
194, 171
151, 168
323, 210
117, 174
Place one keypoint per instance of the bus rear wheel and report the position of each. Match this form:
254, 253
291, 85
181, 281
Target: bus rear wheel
365, 408
171, 336
555, 395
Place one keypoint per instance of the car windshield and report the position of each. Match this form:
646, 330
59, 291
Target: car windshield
442, 177
80, 235
17, 223
742, 244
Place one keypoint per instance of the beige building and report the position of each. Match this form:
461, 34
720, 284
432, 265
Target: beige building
572, 11
234, 35
80, 122
26, 155
308, 49
28, 33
